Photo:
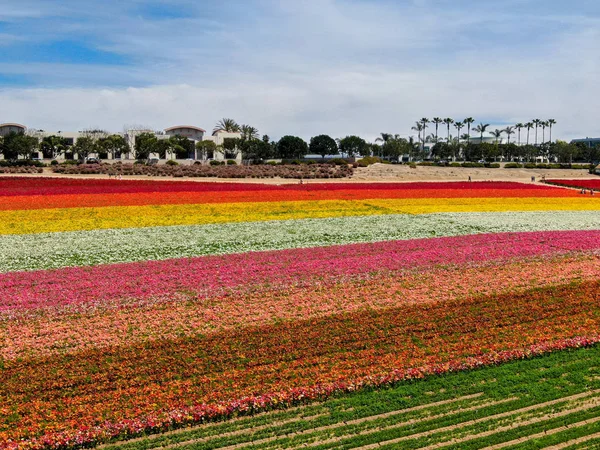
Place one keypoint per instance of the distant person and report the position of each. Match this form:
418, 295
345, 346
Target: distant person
533, 179
469, 177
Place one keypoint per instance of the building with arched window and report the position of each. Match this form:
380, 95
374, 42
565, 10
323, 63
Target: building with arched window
7, 128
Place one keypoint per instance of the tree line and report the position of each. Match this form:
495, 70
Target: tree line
252, 147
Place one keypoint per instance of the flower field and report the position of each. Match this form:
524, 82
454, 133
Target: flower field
593, 184
129, 307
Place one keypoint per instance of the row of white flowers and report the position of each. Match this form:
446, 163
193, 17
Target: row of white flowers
84, 248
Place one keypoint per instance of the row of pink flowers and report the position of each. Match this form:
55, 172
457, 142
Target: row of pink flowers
103, 286
181, 314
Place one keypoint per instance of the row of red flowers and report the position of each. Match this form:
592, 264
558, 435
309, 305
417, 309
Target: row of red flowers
20, 186
581, 184
100, 393
185, 198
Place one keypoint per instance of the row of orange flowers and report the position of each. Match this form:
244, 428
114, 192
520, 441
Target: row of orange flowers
102, 392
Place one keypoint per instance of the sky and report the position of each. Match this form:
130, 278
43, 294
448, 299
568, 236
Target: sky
300, 67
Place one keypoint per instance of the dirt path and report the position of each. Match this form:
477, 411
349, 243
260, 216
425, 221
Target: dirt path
377, 173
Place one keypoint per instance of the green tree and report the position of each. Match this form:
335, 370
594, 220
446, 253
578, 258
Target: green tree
248, 132
551, 123
424, 121
145, 143
537, 123
543, 124
564, 152
509, 132
207, 149
519, 127
228, 125
396, 147
497, 134
53, 146
384, 137
418, 127
114, 145
437, 121
256, 150
290, 147
481, 128
323, 145
84, 146
354, 145
19, 144
458, 125
181, 146
469, 121
448, 121
529, 126
589, 153
231, 147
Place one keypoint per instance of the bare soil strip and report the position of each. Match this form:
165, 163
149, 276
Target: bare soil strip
550, 433
586, 405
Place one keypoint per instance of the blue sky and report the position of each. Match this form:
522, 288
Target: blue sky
301, 67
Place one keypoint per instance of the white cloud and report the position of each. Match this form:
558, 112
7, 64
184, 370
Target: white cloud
324, 66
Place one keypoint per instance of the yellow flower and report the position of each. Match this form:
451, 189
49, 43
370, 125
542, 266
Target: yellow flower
71, 219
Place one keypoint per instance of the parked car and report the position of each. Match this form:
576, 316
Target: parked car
152, 161
92, 160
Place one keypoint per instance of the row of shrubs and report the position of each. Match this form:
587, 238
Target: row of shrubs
308, 171
457, 164
21, 163
546, 166
21, 169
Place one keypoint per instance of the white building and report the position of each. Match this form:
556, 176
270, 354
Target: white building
193, 133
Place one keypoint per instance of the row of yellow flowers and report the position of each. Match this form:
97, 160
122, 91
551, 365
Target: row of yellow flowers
72, 219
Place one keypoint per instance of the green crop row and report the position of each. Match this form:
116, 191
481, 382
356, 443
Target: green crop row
418, 412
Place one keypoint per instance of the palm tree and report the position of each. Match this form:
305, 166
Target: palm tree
437, 121
543, 124
249, 133
384, 137
509, 131
497, 134
228, 125
469, 121
551, 122
537, 123
424, 121
419, 128
519, 126
529, 126
459, 126
481, 128
448, 121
